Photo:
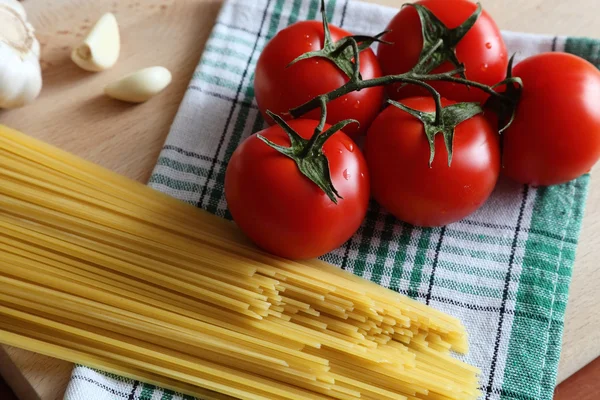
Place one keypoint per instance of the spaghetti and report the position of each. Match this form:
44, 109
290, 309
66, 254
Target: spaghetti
101, 270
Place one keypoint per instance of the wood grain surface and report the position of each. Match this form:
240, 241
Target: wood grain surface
71, 113
583, 385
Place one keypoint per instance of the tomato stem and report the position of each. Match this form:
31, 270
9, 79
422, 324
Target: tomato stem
506, 110
442, 121
342, 52
313, 140
308, 154
428, 55
355, 52
439, 44
439, 41
407, 77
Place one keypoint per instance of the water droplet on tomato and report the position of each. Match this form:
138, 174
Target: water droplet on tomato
346, 174
307, 36
362, 174
357, 104
484, 67
340, 151
488, 45
349, 145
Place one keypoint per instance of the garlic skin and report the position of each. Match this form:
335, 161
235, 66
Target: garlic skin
16, 6
140, 85
20, 72
101, 47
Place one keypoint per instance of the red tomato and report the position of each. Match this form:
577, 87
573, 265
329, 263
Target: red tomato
555, 136
482, 49
397, 153
279, 88
284, 212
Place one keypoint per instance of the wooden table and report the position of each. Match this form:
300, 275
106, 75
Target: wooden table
72, 114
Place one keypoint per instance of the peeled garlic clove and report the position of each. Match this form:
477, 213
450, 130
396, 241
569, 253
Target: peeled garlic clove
140, 85
100, 49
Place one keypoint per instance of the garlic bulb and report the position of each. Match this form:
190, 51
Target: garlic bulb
101, 47
20, 72
139, 86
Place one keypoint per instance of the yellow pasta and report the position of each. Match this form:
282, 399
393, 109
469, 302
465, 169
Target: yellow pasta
103, 271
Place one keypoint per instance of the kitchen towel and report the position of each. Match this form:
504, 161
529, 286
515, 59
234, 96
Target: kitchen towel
504, 271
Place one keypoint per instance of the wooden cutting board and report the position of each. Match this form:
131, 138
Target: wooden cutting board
72, 114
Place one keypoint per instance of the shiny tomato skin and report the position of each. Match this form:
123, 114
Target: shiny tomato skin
397, 153
279, 88
482, 49
555, 136
284, 212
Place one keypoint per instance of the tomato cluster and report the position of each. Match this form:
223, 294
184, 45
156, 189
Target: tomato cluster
299, 189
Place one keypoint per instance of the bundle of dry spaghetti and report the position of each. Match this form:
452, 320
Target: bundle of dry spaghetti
103, 271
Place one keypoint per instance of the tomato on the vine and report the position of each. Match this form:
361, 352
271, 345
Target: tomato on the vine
284, 212
280, 87
398, 151
555, 136
481, 50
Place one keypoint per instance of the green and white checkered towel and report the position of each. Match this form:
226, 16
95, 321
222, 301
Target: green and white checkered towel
504, 271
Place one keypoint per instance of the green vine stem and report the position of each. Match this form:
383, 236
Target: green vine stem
408, 77
441, 39
308, 154
440, 47
340, 52
512, 86
442, 122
